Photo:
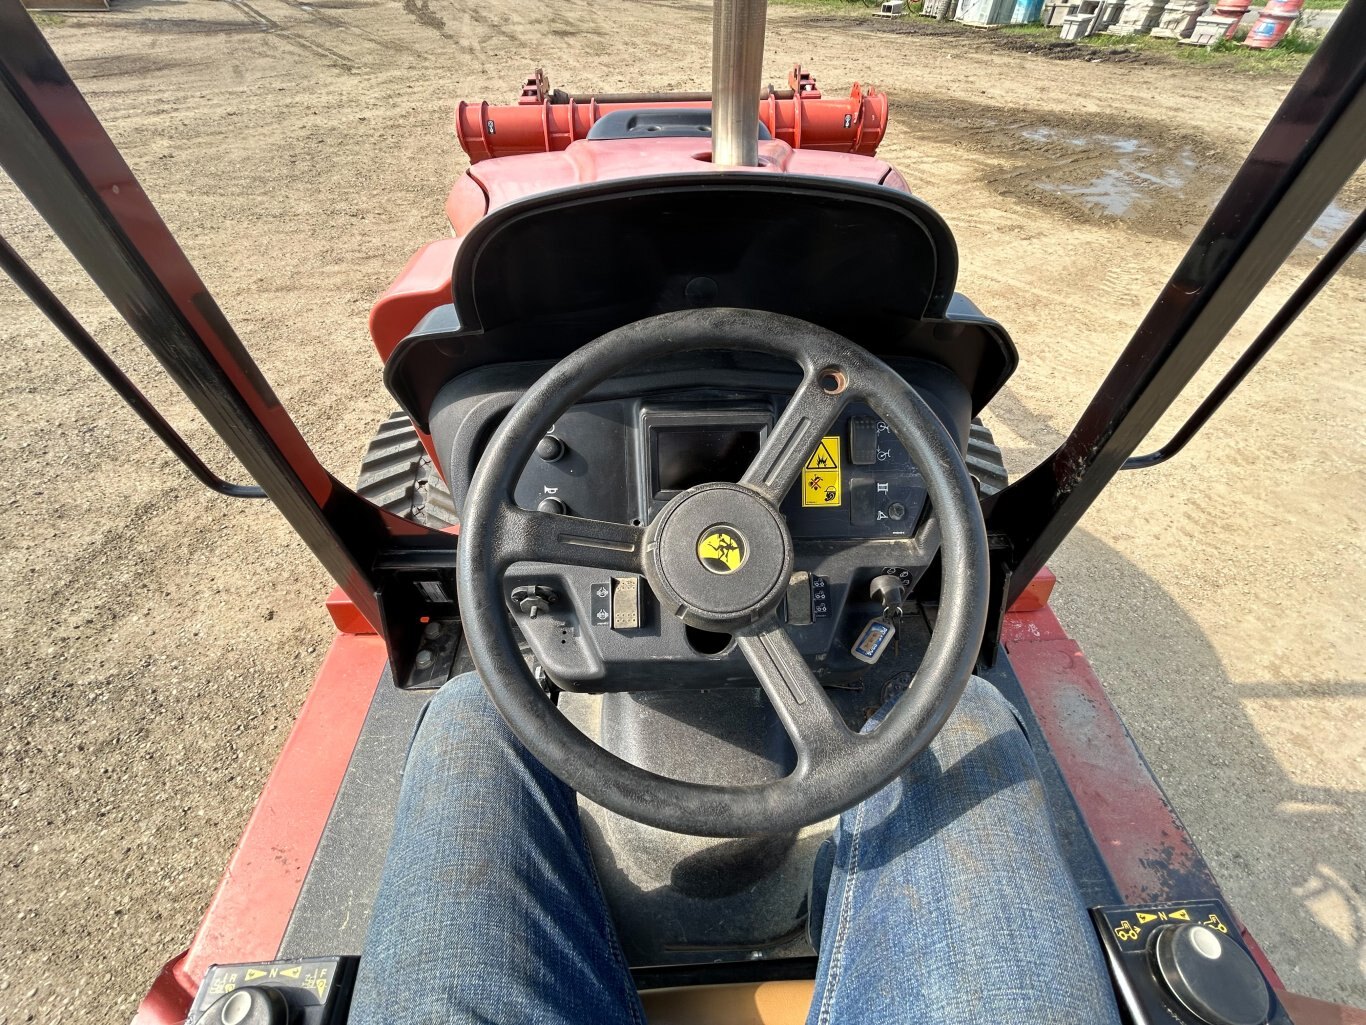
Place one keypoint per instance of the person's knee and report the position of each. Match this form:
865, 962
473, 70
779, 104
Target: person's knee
461, 697
984, 711
460, 711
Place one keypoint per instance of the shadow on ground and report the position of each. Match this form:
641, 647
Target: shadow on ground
1289, 854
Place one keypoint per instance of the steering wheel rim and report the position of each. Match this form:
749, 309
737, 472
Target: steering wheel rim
834, 771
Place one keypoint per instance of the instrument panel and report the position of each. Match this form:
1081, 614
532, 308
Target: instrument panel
624, 460
635, 443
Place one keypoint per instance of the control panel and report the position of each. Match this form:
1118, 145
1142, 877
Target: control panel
1184, 964
855, 513
859, 482
625, 460
308, 991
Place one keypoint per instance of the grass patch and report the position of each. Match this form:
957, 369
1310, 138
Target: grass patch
848, 6
1325, 5
47, 20
840, 6
1291, 55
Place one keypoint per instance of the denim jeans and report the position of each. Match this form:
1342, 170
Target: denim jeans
948, 903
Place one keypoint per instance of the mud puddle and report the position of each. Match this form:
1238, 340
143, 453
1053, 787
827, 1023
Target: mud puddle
1141, 175
1141, 178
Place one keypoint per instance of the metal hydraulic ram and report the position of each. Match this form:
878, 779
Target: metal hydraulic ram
542, 121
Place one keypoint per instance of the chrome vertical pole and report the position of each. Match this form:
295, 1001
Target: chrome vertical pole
737, 67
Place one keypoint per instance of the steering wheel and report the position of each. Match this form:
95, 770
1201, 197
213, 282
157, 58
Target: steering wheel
835, 766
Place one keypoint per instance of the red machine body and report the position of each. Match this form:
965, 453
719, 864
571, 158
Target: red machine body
542, 120
426, 281
546, 132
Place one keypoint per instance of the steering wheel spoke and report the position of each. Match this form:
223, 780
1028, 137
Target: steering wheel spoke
807, 418
812, 721
534, 536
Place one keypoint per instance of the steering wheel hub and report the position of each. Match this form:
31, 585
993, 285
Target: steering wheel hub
718, 556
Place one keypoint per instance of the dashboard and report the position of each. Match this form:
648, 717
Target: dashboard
857, 511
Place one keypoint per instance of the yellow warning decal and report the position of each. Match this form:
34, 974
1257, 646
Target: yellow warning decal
1130, 930
317, 981
255, 973
827, 454
821, 485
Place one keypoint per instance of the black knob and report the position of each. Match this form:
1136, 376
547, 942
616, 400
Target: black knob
550, 505
896, 511
250, 1005
550, 448
533, 599
1211, 975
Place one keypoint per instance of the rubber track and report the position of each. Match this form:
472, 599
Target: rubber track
984, 459
397, 474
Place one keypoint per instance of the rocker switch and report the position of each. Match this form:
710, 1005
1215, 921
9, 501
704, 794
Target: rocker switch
626, 603
600, 603
862, 440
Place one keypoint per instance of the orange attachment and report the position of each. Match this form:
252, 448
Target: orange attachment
542, 121
1036, 593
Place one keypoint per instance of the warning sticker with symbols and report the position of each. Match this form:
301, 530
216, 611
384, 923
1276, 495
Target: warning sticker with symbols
1131, 926
821, 478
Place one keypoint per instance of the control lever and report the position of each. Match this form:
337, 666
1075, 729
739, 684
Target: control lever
533, 599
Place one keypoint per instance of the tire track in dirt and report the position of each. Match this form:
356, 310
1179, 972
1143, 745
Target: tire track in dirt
273, 27
421, 12
331, 20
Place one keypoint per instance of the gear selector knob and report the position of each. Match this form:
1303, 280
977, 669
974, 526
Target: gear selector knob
1210, 975
250, 1005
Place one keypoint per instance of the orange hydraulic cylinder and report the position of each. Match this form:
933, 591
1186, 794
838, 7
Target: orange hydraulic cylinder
854, 124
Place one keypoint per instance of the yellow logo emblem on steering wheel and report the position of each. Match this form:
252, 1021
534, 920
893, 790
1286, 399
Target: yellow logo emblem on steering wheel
721, 550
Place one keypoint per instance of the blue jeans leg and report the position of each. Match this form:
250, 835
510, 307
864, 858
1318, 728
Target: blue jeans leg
950, 902
489, 910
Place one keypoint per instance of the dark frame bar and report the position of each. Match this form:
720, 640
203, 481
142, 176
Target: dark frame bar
1312, 146
56, 151
1342, 250
51, 307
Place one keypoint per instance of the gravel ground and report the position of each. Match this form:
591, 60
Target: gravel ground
160, 640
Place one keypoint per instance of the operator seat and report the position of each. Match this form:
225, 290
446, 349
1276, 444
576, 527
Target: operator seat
740, 1003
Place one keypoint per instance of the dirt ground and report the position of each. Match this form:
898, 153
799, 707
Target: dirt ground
160, 640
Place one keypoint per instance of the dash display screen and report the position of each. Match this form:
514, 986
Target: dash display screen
687, 457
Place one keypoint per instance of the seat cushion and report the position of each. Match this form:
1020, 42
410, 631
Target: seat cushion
740, 1003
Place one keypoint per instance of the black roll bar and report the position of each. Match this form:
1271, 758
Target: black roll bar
1314, 143
1342, 250
42, 297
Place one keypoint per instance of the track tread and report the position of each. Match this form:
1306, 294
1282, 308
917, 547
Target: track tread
397, 475
985, 461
